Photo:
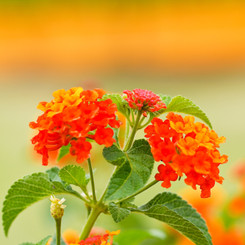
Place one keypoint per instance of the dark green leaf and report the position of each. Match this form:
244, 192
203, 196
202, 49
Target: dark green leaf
118, 213
114, 155
177, 213
133, 173
184, 105
64, 150
43, 242
29, 190
74, 175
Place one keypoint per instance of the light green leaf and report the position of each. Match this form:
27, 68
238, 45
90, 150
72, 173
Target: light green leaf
29, 190
184, 105
64, 150
114, 155
133, 173
177, 213
43, 242
118, 213
137, 237
165, 99
74, 175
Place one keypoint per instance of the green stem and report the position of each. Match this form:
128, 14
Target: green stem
92, 180
139, 191
141, 121
134, 130
90, 222
94, 214
58, 228
148, 121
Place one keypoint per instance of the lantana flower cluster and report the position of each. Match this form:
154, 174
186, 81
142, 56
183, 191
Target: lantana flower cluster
144, 100
186, 147
73, 117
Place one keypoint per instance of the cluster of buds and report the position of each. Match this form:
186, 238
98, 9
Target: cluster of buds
57, 207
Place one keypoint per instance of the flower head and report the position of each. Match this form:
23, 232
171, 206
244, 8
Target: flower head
73, 117
144, 100
57, 207
186, 147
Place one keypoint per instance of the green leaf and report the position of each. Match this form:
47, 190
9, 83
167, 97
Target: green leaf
136, 237
165, 99
53, 174
114, 155
26, 191
133, 173
177, 213
118, 213
64, 150
43, 242
184, 105
74, 175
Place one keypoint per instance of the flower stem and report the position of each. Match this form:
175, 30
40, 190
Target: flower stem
92, 180
144, 125
139, 191
90, 222
134, 130
58, 228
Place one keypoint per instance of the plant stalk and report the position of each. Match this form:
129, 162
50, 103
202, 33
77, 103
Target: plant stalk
92, 180
90, 222
134, 130
58, 229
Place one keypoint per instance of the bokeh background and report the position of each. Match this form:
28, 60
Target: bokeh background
192, 48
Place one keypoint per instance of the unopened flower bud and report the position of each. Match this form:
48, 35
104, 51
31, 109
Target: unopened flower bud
57, 207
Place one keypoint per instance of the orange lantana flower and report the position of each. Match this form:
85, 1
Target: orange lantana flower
72, 117
186, 147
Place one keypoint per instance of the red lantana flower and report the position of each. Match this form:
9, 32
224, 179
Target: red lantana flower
144, 100
186, 147
74, 116
106, 239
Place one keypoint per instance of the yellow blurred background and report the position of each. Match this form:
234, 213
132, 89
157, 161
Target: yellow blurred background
192, 48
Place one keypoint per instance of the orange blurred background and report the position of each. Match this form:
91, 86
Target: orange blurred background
164, 36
